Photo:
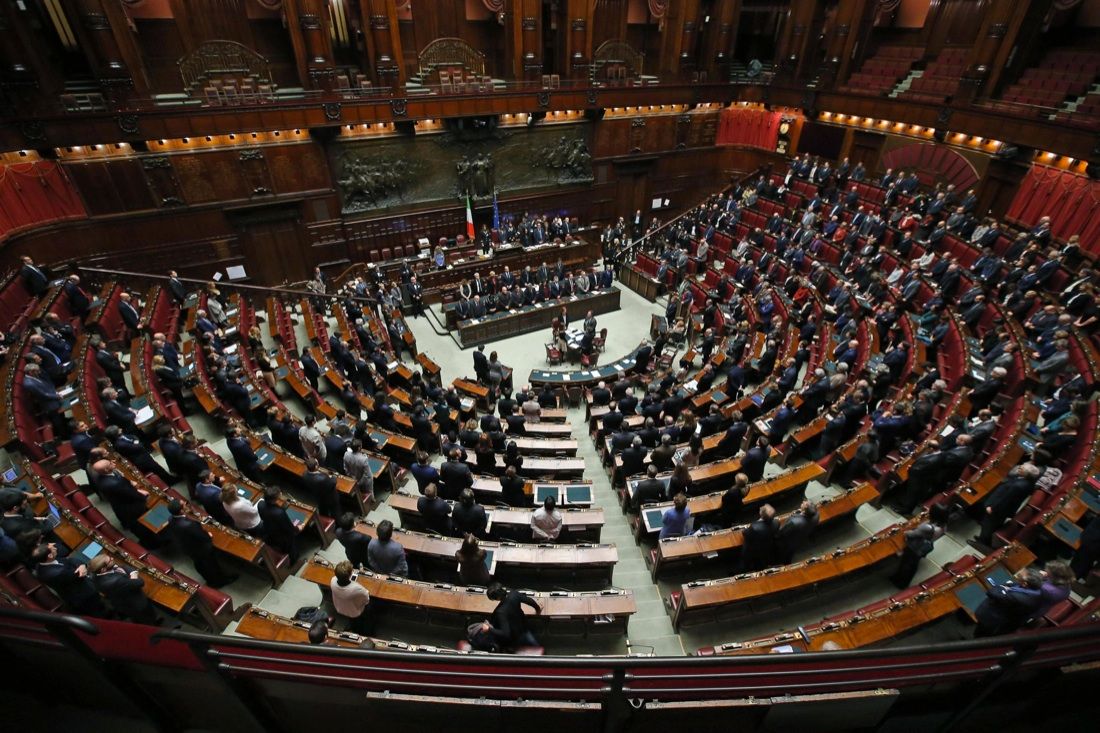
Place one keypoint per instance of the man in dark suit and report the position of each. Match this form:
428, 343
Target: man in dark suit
758, 542
353, 541
194, 541
69, 579
118, 413
51, 362
248, 463
649, 490
1005, 500
45, 398
124, 590
435, 512
481, 365
456, 476
280, 531
127, 501
176, 288
795, 532
129, 314
79, 303
322, 487
34, 277
311, 369
633, 458
134, 451
82, 443
752, 465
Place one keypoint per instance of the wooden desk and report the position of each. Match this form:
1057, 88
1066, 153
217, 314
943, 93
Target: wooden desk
489, 487
271, 454
578, 525
534, 317
710, 473
534, 466
544, 429
260, 624
707, 600
585, 377
705, 546
577, 253
900, 614
583, 563
537, 446
589, 612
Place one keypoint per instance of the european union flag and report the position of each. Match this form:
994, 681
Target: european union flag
496, 211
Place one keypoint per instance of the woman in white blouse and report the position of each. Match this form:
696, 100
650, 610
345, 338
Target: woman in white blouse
244, 514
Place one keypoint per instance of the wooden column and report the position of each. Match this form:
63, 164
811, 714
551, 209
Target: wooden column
852, 18
578, 52
383, 41
23, 56
103, 32
211, 20
1003, 25
718, 39
793, 39
310, 34
681, 25
523, 22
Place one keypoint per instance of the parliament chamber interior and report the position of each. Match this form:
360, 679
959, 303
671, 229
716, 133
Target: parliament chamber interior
614, 363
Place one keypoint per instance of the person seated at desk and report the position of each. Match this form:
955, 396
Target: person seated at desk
546, 521
435, 513
675, 522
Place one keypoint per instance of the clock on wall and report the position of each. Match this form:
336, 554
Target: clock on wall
783, 140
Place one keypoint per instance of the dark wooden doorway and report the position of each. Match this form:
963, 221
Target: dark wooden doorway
272, 243
632, 185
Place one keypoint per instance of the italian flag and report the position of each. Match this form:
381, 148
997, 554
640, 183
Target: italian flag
469, 219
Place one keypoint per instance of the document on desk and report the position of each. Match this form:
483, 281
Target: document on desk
144, 415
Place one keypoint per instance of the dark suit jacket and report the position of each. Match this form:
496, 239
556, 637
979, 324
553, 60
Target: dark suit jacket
128, 503
355, 546
323, 488
190, 537
78, 593
125, 594
279, 530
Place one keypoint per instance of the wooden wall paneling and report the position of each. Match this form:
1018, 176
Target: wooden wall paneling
207, 20
103, 33
609, 22
161, 179
383, 36
718, 39
310, 27
161, 46
272, 41
795, 36
852, 19
867, 148
999, 185
26, 59
681, 25
578, 48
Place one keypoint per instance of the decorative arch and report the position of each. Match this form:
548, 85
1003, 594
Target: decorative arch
617, 51
218, 59
933, 164
444, 52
